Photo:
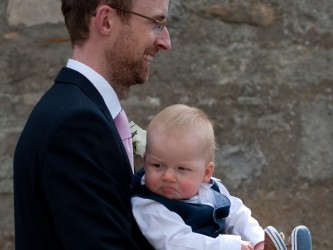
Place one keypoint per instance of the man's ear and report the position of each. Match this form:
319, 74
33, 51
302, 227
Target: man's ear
104, 19
208, 171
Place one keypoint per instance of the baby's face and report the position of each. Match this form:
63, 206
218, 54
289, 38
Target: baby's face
175, 166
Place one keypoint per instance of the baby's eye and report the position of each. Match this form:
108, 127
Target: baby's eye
183, 169
156, 165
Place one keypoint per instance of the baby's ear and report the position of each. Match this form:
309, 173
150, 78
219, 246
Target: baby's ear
208, 171
144, 158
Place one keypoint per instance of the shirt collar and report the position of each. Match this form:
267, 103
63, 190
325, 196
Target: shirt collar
103, 87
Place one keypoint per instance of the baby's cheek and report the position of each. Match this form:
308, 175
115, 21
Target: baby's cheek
150, 184
189, 190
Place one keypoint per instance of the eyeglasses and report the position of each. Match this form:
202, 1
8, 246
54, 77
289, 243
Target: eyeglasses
160, 23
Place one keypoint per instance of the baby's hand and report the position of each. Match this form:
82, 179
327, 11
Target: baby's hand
246, 245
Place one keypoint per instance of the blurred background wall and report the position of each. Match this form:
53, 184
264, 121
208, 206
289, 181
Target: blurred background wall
261, 69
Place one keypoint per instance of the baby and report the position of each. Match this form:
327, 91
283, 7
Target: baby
179, 205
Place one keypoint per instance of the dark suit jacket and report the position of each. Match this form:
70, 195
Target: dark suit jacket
71, 173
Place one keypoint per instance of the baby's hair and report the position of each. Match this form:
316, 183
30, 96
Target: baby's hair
179, 120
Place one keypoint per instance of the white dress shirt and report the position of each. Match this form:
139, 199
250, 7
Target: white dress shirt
165, 229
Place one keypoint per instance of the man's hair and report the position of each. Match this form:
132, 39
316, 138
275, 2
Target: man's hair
179, 120
78, 13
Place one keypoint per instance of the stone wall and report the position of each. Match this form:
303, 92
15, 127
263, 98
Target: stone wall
261, 69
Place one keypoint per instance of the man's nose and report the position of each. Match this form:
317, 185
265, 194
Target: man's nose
163, 41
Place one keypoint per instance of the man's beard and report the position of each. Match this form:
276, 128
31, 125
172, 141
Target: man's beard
126, 68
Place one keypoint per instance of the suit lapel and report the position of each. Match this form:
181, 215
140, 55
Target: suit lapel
70, 76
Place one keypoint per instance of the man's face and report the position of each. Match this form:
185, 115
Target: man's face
137, 43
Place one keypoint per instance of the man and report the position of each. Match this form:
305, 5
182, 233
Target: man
71, 169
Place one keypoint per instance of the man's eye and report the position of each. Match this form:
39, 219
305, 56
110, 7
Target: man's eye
183, 169
160, 24
157, 165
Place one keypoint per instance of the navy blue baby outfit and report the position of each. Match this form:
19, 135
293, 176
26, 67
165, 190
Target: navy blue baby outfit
202, 218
